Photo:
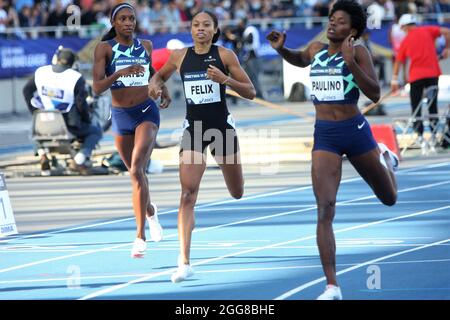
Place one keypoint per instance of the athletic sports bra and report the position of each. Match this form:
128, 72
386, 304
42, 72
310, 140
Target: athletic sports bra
331, 81
124, 56
205, 99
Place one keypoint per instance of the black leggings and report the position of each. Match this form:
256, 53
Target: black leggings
417, 89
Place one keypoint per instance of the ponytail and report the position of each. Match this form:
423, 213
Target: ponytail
110, 35
216, 36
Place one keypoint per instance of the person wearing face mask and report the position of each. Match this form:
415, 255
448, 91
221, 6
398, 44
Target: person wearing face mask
123, 64
339, 71
206, 70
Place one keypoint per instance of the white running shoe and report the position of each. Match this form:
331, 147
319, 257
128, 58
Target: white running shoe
394, 159
331, 292
138, 249
156, 231
183, 272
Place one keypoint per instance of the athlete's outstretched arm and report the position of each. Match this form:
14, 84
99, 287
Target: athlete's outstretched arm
238, 80
165, 95
156, 85
102, 83
360, 64
297, 58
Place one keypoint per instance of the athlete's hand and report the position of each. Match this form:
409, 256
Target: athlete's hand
215, 74
276, 39
348, 49
154, 91
165, 98
134, 69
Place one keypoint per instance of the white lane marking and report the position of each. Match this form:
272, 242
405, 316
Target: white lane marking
399, 172
373, 261
119, 276
207, 228
155, 275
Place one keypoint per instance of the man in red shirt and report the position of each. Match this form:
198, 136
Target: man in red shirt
424, 71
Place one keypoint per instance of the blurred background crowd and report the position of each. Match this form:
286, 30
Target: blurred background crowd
160, 16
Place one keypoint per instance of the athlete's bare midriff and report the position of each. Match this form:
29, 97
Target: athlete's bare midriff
336, 112
129, 97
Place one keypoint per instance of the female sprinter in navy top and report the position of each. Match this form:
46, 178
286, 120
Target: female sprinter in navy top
205, 70
123, 64
339, 70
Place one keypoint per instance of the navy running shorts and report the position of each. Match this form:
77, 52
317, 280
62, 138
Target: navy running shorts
352, 137
221, 137
126, 120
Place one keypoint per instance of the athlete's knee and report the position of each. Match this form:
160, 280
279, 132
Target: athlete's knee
189, 196
325, 209
137, 173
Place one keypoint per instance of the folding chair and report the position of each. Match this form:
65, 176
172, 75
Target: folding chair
406, 124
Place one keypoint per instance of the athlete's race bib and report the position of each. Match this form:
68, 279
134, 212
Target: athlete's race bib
198, 89
133, 80
329, 86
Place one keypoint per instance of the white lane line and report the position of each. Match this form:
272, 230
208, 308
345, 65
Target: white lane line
167, 272
399, 172
233, 248
121, 276
373, 261
93, 251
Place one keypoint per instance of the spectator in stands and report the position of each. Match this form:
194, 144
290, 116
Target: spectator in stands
25, 16
57, 16
240, 10
173, 16
38, 15
3, 17
159, 17
284, 9
20, 4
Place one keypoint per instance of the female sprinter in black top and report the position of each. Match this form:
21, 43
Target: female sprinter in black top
123, 64
339, 70
206, 70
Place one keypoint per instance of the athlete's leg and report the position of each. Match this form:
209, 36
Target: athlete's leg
232, 172
125, 145
192, 167
135, 151
326, 176
377, 170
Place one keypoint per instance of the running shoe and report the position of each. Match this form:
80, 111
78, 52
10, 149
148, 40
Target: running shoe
138, 249
331, 292
183, 272
156, 231
394, 159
